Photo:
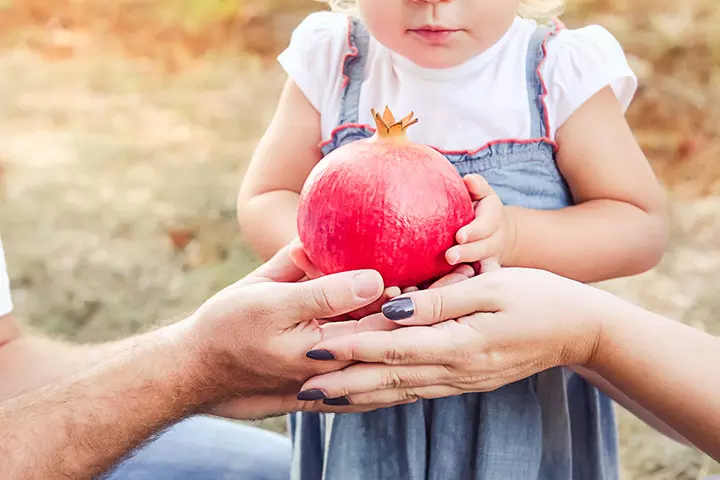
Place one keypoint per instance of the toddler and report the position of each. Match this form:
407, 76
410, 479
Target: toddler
537, 110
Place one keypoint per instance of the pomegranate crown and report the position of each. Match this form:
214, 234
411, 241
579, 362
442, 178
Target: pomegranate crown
388, 127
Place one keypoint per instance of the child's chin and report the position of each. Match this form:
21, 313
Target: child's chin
437, 58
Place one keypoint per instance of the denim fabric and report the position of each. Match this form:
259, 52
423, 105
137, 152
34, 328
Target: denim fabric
552, 426
207, 448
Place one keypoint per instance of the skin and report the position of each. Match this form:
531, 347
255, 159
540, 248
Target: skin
508, 324
73, 412
618, 227
469, 27
461, 342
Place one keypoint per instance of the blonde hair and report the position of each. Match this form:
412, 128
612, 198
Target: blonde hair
540, 10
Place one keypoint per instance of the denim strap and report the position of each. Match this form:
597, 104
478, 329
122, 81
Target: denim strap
535, 86
354, 70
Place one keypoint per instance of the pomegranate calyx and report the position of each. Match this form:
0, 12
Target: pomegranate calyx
387, 126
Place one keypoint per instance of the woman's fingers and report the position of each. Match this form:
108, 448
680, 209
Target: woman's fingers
375, 322
427, 307
401, 395
342, 405
404, 346
365, 378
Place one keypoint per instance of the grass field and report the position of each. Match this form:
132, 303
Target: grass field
106, 161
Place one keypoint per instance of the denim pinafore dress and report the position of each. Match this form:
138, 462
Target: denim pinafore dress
552, 426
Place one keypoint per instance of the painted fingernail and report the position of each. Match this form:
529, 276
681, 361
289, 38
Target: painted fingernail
311, 395
366, 285
399, 309
320, 355
337, 402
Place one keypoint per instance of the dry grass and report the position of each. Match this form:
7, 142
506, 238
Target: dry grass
117, 153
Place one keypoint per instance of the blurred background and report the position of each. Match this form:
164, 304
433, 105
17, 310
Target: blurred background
126, 127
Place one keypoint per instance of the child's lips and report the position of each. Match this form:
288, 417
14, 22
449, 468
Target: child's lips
434, 35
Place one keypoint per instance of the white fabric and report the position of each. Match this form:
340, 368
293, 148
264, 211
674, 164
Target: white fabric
5, 300
467, 106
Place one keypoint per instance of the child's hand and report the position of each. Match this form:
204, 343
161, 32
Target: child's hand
457, 275
488, 237
301, 260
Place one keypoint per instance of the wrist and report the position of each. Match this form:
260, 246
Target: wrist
510, 244
606, 311
207, 368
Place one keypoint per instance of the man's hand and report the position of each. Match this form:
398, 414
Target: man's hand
301, 260
256, 334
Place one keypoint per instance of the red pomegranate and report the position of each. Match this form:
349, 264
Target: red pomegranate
386, 204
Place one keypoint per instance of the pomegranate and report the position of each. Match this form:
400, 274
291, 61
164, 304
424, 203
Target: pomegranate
384, 203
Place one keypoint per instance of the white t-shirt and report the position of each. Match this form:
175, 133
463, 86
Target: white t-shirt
464, 107
5, 300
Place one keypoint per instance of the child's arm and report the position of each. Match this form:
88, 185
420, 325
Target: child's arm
618, 226
267, 202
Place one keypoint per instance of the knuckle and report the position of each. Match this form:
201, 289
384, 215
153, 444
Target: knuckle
321, 299
437, 305
392, 379
409, 394
394, 356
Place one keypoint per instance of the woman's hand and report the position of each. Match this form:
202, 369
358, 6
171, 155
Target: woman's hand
472, 336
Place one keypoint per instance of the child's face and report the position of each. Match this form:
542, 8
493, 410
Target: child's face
438, 33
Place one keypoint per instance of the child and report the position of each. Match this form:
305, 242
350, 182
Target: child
538, 112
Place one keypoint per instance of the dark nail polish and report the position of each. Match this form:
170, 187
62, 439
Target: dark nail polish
320, 355
311, 395
399, 309
337, 402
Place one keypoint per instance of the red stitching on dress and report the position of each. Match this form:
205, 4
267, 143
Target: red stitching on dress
340, 128
353, 53
546, 117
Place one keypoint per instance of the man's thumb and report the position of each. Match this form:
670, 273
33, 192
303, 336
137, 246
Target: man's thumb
334, 295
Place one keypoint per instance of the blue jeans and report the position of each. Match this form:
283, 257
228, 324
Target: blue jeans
208, 448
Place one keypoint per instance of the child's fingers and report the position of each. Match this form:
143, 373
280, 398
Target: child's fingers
472, 252
459, 274
478, 187
488, 219
479, 229
301, 260
489, 265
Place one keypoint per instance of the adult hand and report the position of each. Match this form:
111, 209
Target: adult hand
301, 260
472, 336
254, 334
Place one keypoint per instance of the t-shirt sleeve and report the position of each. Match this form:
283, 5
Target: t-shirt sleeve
579, 64
314, 58
5, 299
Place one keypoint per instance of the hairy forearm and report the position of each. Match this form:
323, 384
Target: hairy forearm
268, 221
590, 242
80, 426
29, 362
668, 368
